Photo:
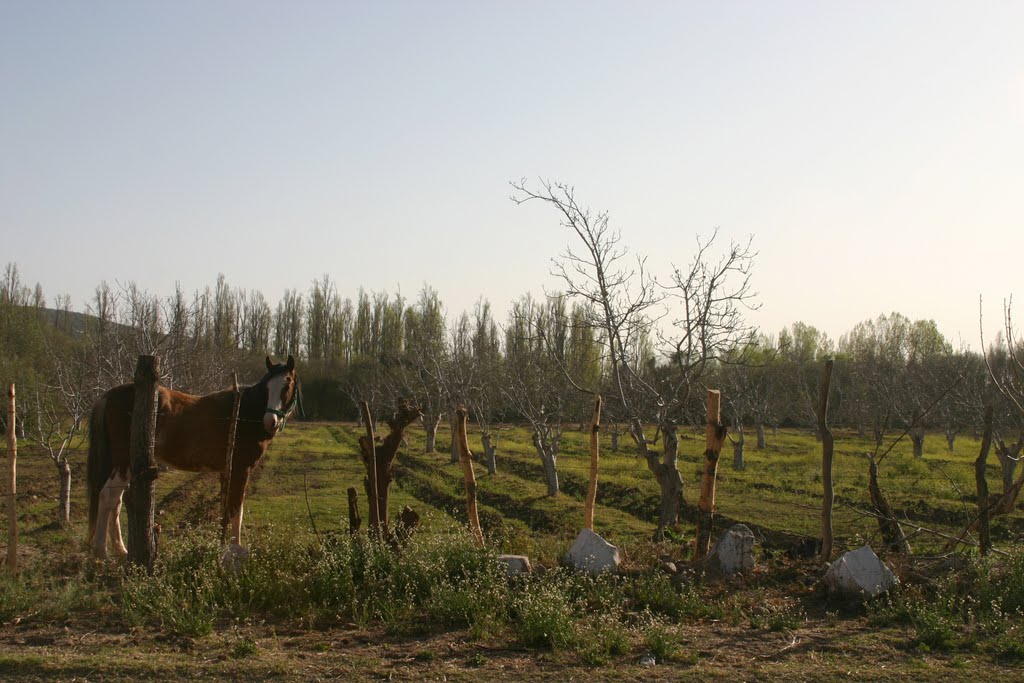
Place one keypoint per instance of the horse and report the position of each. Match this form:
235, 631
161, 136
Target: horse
191, 435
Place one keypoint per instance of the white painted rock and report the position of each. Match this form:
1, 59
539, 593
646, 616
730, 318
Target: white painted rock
515, 564
593, 554
859, 573
733, 553
233, 556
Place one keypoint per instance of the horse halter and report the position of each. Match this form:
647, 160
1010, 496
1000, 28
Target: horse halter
287, 408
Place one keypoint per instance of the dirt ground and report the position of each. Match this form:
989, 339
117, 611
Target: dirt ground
92, 650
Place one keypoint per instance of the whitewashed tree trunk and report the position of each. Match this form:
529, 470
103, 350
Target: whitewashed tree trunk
917, 438
1008, 456
430, 423
549, 459
737, 448
668, 477
490, 449
64, 502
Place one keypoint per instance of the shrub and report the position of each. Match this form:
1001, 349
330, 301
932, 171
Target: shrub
603, 635
543, 613
655, 592
661, 641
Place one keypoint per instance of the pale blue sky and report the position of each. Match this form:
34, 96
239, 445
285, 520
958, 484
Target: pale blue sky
874, 150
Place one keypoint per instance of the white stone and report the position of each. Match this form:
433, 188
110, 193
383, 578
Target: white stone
592, 553
733, 553
233, 556
859, 573
515, 564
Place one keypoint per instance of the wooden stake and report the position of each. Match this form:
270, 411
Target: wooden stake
354, 520
716, 433
466, 457
12, 511
139, 497
371, 467
229, 458
890, 528
595, 428
984, 533
827, 452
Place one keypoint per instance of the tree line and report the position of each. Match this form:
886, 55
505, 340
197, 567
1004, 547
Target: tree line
642, 341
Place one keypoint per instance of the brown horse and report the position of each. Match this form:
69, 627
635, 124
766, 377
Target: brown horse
191, 435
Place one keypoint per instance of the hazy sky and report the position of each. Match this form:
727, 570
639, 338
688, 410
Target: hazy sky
875, 150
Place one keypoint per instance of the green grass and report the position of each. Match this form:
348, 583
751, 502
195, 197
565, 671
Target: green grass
439, 581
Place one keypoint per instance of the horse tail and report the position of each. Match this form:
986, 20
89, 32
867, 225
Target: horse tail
98, 463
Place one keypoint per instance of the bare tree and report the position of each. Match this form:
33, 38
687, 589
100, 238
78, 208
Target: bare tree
424, 362
706, 301
534, 387
61, 408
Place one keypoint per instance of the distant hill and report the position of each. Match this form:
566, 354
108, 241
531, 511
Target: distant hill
72, 322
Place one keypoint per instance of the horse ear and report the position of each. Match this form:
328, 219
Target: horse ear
270, 363
291, 363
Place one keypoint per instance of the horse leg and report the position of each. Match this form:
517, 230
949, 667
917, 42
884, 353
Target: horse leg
116, 539
236, 496
109, 501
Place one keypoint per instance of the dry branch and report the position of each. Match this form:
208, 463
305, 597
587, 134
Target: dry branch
466, 457
225, 480
370, 454
12, 512
984, 535
595, 429
827, 452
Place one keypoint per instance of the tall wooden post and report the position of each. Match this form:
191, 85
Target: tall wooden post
984, 533
12, 509
827, 447
371, 468
229, 458
715, 434
354, 520
595, 429
466, 457
139, 497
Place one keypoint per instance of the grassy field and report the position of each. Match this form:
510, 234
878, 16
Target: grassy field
292, 614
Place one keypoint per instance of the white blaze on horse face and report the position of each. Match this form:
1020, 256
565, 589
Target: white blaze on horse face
275, 386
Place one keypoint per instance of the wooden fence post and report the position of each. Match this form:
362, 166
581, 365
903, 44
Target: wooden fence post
12, 509
354, 520
371, 468
466, 457
595, 429
225, 488
827, 449
141, 541
984, 533
715, 433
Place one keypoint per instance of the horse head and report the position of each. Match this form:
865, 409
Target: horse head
282, 394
